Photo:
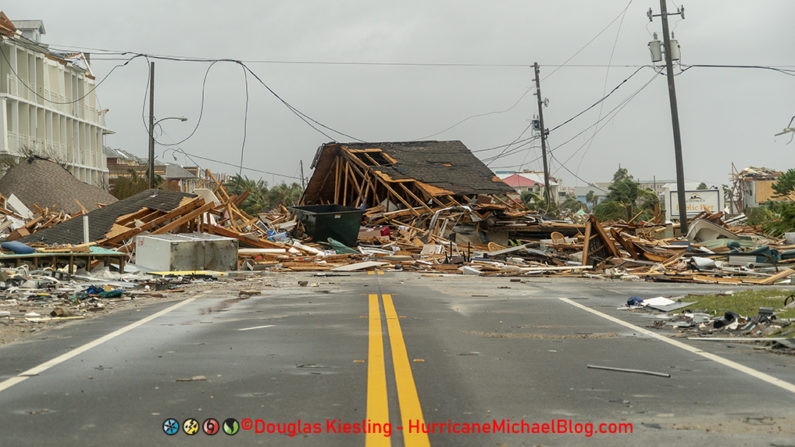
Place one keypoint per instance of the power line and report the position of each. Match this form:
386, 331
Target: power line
781, 70
609, 116
604, 86
182, 151
479, 115
600, 100
620, 15
577, 176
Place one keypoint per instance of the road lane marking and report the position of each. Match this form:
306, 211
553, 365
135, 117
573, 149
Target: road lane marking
255, 327
410, 409
716, 358
36, 370
370, 272
380, 272
377, 402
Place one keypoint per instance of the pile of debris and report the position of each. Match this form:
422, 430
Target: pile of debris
428, 206
726, 326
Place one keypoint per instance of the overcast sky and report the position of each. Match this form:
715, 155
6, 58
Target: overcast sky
727, 115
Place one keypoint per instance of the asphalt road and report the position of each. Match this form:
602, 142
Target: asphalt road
395, 350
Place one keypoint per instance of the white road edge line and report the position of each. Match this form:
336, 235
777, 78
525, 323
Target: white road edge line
255, 327
8, 383
716, 358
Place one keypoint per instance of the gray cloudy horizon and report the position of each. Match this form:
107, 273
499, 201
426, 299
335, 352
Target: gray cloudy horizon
726, 115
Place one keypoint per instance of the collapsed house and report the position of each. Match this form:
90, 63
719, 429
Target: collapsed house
45, 183
437, 189
414, 176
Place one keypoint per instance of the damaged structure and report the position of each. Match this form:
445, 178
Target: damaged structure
414, 176
48, 103
438, 190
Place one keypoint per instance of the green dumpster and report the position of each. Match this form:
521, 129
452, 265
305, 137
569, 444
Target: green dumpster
331, 221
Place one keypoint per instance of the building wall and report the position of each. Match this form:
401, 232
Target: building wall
31, 117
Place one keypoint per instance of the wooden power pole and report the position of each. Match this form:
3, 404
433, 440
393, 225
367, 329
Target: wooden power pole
543, 134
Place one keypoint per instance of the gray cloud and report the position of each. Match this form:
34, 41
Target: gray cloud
727, 115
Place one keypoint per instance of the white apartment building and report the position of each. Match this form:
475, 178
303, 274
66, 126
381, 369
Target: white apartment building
48, 104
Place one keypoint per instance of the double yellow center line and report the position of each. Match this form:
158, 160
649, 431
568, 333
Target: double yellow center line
377, 400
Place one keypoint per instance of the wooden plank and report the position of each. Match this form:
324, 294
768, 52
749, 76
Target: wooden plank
195, 202
780, 275
82, 208
127, 218
605, 239
414, 196
185, 218
337, 180
587, 243
627, 244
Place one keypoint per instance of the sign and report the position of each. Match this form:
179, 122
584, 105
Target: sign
696, 201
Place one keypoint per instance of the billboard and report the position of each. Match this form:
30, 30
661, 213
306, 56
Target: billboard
696, 201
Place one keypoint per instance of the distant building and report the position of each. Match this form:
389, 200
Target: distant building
752, 187
532, 181
48, 106
657, 186
581, 193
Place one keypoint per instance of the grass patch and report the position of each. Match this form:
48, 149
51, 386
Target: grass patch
745, 302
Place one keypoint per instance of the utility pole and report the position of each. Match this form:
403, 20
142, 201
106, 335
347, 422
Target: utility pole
151, 125
543, 134
301, 164
669, 50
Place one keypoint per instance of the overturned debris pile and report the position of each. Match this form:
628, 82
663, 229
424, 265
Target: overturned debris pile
46, 184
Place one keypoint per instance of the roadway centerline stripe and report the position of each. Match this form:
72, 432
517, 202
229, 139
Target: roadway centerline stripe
716, 358
377, 401
410, 409
8, 383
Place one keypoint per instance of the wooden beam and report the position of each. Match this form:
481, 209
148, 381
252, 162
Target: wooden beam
414, 196
345, 184
196, 202
586, 244
181, 220
337, 180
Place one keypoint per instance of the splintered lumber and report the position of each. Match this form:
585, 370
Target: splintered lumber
254, 242
776, 277
179, 211
586, 245
359, 266
597, 243
185, 218
628, 245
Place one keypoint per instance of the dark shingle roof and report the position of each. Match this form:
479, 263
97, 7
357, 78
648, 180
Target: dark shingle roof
427, 162
449, 165
101, 220
46, 183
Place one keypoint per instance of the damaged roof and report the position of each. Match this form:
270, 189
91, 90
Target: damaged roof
101, 220
47, 184
447, 165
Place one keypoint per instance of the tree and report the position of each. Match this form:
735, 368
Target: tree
702, 186
621, 174
132, 184
571, 204
626, 193
591, 198
260, 198
785, 184
780, 215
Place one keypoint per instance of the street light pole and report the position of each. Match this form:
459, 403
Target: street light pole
151, 125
